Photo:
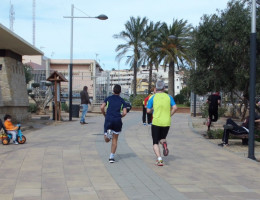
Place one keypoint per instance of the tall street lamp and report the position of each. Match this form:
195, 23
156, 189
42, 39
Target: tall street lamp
100, 17
251, 136
172, 37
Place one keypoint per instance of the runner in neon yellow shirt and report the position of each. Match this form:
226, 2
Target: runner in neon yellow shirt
163, 107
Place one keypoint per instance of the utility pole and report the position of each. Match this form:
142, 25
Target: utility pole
11, 16
251, 135
33, 18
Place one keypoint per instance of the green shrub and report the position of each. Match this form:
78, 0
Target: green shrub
204, 110
179, 98
215, 134
35, 85
187, 103
32, 108
64, 107
205, 107
222, 111
138, 100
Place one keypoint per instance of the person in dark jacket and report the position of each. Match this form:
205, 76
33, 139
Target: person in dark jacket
233, 128
84, 102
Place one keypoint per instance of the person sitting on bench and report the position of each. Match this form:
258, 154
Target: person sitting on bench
233, 128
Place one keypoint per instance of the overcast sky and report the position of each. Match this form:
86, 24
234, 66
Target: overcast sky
94, 38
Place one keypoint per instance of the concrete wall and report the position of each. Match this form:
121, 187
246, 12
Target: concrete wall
13, 91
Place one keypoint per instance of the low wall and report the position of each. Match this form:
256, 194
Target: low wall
19, 114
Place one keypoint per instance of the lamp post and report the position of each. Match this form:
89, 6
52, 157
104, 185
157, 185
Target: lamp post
100, 17
251, 136
172, 37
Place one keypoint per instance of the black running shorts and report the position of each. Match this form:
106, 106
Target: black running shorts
158, 133
113, 124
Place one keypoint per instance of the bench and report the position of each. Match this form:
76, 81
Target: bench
244, 137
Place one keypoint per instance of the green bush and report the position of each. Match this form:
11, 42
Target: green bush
64, 107
32, 108
138, 100
187, 103
215, 134
222, 111
204, 110
35, 85
179, 99
205, 107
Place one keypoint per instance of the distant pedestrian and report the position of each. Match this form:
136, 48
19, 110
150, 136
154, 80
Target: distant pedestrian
214, 101
114, 109
145, 114
84, 102
163, 107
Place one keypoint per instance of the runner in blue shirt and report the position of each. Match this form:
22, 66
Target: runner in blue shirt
111, 109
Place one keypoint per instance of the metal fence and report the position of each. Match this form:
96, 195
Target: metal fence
98, 86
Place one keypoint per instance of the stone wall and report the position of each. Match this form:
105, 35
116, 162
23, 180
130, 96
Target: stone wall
13, 90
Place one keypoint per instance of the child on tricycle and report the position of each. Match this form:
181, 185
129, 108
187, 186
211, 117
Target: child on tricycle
11, 132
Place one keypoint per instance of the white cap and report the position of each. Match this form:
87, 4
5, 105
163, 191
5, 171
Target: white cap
160, 85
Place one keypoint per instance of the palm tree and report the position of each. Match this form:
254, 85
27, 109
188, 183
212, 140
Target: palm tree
172, 51
134, 35
150, 55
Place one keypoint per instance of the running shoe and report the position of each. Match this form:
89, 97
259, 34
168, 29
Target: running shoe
165, 149
144, 124
109, 134
223, 145
159, 162
111, 160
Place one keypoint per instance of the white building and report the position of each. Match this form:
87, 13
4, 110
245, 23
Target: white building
125, 79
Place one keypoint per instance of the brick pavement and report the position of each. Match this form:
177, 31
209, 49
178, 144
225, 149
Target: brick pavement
70, 161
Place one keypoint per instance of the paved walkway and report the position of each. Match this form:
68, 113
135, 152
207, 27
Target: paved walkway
69, 161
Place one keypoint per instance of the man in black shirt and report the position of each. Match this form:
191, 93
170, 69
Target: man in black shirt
213, 101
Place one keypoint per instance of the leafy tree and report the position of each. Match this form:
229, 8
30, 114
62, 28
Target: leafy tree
134, 35
186, 93
28, 73
222, 50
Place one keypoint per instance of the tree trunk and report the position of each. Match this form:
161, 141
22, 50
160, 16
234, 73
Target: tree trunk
171, 79
135, 76
150, 78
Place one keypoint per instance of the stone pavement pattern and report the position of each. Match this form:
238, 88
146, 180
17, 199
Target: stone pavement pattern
70, 161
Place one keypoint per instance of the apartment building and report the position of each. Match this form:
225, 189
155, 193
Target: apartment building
125, 79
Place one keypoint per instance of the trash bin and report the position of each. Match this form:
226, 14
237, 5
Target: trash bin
75, 110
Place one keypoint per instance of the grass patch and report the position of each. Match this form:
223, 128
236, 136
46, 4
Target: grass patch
182, 106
